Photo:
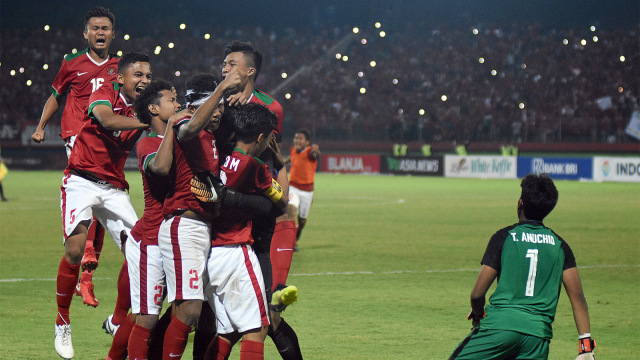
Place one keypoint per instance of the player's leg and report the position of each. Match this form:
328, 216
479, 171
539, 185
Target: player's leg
205, 331
2, 193
488, 344
184, 244
306, 199
285, 338
282, 243
92, 250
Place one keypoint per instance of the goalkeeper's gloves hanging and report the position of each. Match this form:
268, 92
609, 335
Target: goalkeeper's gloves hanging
207, 188
585, 347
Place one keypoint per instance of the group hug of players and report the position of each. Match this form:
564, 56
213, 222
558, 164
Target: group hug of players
216, 203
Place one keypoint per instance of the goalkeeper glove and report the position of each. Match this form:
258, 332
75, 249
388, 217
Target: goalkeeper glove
207, 187
585, 349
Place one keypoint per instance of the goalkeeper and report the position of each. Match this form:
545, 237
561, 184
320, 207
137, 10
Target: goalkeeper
530, 262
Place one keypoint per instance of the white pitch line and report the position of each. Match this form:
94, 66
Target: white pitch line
331, 273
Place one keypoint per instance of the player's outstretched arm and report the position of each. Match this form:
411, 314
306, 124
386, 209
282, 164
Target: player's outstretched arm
110, 121
50, 108
315, 151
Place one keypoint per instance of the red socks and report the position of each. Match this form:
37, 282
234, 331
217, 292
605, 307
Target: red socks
118, 349
282, 242
65, 287
138, 347
251, 350
175, 339
218, 349
123, 302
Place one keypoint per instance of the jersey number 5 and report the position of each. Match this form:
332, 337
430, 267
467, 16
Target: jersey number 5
532, 254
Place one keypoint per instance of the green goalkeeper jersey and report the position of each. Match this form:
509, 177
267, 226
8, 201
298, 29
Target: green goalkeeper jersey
530, 259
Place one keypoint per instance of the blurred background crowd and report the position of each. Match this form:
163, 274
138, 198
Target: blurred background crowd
523, 82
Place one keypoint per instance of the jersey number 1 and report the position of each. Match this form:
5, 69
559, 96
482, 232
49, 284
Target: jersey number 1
532, 254
96, 82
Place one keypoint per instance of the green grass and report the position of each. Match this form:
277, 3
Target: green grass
385, 268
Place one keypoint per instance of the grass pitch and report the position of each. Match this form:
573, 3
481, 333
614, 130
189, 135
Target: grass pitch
385, 268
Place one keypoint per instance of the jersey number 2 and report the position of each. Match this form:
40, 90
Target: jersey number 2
532, 254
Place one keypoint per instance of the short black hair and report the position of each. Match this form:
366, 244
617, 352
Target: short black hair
251, 120
150, 95
99, 11
199, 85
539, 196
254, 56
304, 133
131, 58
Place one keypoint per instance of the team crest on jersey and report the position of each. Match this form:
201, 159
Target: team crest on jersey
111, 71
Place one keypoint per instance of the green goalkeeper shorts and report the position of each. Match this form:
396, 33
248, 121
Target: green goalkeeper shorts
501, 344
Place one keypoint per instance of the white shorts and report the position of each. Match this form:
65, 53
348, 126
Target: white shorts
236, 289
184, 245
146, 277
82, 199
306, 199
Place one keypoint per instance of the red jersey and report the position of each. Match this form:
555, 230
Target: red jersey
80, 76
104, 152
248, 175
198, 155
156, 187
303, 169
272, 104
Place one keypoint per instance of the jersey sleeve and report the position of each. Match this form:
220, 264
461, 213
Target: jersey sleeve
493, 254
62, 81
102, 96
569, 258
145, 150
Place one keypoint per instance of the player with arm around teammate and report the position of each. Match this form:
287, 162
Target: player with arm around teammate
530, 262
94, 181
79, 76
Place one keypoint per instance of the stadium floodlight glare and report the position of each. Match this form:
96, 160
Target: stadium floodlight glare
363, 90
443, 97
345, 58
338, 56
565, 41
126, 36
494, 72
622, 58
378, 25
287, 96
284, 75
157, 50
523, 66
119, 53
183, 26
475, 31
12, 72
360, 74
45, 66
593, 28
383, 34
421, 112
46, 28
21, 70
178, 73
207, 36
171, 45
395, 81
372, 63
356, 30
29, 83
481, 60
595, 39
400, 111
521, 105
620, 89
363, 41
74, 51
583, 42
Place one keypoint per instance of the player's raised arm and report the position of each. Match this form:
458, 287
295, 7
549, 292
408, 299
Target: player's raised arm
161, 163
202, 117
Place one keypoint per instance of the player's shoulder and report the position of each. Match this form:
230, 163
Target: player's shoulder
151, 141
76, 57
266, 98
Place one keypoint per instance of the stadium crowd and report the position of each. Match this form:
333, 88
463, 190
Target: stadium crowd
516, 83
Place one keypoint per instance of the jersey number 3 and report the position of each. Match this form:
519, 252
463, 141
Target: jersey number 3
532, 254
